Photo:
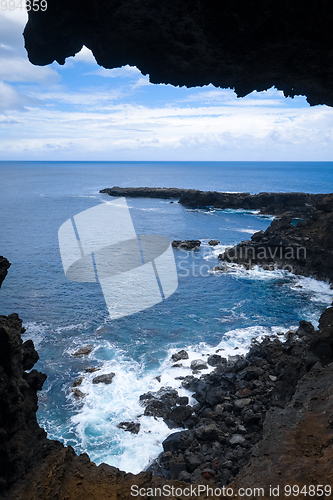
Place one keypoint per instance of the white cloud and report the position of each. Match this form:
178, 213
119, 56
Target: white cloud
11, 29
139, 132
20, 69
123, 72
11, 99
85, 55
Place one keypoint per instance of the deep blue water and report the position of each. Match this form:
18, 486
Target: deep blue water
208, 311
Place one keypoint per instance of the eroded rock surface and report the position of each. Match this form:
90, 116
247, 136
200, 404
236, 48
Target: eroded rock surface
242, 45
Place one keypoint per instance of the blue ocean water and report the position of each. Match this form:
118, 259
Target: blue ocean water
209, 310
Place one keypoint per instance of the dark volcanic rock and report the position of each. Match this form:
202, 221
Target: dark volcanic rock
84, 351
187, 244
106, 378
18, 402
233, 401
278, 398
4, 266
177, 356
237, 45
133, 427
296, 204
305, 249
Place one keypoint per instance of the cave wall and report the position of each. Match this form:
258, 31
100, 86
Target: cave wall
246, 45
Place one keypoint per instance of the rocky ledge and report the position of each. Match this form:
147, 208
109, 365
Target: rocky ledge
305, 248
296, 204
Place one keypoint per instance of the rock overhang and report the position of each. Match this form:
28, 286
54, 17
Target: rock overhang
244, 45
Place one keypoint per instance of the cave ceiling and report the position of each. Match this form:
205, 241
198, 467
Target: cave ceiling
244, 45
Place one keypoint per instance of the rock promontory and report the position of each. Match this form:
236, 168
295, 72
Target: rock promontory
305, 248
296, 204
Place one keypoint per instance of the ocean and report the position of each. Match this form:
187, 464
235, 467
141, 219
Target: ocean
208, 311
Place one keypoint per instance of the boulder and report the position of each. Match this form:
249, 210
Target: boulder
198, 364
106, 378
177, 356
133, 427
180, 413
84, 351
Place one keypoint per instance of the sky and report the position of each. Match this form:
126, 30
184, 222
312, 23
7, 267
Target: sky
81, 111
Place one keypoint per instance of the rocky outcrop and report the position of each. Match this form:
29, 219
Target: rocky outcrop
144, 192
186, 244
242, 45
4, 266
305, 249
234, 399
296, 204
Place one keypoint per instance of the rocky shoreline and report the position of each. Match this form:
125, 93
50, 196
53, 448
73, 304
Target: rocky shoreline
233, 400
260, 420
305, 248
296, 204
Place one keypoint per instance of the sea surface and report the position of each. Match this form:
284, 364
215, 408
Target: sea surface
208, 311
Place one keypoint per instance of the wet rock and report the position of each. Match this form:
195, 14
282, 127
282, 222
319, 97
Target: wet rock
177, 356
91, 369
182, 400
84, 351
198, 364
180, 413
30, 355
187, 244
156, 408
215, 360
4, 266
159, 404
78, 382
213, 242
189, 382
106, 378
78, 394
305, 328
133, 427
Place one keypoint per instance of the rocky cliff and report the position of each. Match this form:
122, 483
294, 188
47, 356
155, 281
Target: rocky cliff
305, 248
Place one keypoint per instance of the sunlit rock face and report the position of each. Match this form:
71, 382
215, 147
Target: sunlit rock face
246, 45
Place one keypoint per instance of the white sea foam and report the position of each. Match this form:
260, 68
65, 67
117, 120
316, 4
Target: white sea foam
105, 406
35, 332
249, 231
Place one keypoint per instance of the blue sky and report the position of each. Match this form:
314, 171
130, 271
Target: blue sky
81, 111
